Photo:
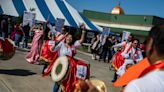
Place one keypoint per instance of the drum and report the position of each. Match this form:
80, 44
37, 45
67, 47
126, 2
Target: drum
60, 69
83, 86
100, 85
68, 71
7, 49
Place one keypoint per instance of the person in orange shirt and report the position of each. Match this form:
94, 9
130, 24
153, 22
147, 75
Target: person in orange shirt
129, 75
151, 79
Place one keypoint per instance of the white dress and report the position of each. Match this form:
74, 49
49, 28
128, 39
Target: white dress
63, 50
152, 82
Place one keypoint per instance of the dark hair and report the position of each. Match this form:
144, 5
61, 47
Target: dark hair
39, 25
157, 34
73, 39
135, 39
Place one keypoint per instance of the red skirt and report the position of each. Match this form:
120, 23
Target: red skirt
73, 77
118, 60
46, 54
49, 68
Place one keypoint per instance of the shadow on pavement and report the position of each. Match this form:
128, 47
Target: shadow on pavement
17, 72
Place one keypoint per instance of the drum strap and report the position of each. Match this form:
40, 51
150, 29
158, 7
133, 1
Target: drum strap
129, 49
135, 55
124, 45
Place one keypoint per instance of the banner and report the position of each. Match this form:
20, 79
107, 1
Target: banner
29, 18
59, 24
106, 31
125, 35
90, 34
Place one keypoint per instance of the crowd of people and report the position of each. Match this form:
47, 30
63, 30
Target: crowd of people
15, 31
147, 74
121, 55
49, 45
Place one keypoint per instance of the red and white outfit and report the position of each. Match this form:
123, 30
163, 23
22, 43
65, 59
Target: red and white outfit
63, 50
119, 59
46, 54
131, 56
77, 67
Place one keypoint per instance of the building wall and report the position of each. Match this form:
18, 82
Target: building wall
122, 19
142, 23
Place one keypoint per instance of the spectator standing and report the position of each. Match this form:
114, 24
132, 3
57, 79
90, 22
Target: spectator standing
26, 30
4, 28
95, 46
18, 34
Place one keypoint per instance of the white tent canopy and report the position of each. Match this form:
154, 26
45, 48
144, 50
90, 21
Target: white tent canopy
47, 8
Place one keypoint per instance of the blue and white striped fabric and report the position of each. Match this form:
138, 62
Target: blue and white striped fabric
45, 9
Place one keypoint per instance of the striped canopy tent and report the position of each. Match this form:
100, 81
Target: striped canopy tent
45, 9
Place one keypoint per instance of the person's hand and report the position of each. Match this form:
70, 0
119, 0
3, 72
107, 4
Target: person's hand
82, 26
87, 86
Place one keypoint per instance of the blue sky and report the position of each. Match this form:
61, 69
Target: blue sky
137, 7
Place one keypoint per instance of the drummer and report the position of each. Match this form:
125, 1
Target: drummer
55, 38
68, 47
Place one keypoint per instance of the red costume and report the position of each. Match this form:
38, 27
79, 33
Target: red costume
46, 54
68, 84
119, 59
6, 48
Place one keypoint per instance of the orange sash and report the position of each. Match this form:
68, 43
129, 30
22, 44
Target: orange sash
153, 68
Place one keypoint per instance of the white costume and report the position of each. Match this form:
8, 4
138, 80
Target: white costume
63, 50
152, 82
119, 45
132, 54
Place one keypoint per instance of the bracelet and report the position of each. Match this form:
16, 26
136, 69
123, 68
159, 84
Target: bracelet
84, 31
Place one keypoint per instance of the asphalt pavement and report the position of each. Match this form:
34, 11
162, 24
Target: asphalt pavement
17, 75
